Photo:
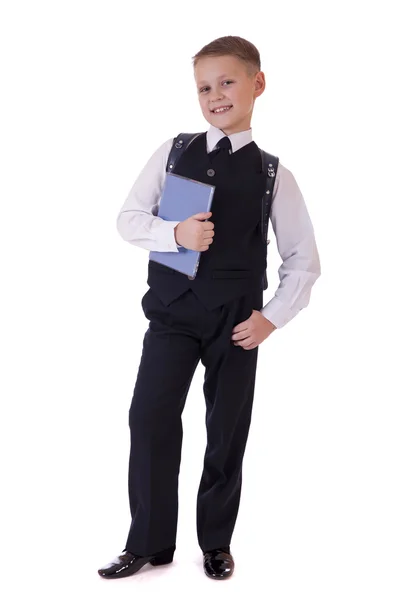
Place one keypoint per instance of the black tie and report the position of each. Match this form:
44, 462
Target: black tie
220, 156
223, 146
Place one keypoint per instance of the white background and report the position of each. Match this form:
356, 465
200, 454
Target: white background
89, 91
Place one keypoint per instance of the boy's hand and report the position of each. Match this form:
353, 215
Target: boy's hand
195, 233
249, 334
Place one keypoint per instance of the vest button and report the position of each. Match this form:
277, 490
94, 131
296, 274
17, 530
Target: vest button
211, 172
190, 277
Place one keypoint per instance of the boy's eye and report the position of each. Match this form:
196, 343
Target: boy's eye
204, 89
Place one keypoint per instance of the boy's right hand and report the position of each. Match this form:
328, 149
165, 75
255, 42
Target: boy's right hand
195, 233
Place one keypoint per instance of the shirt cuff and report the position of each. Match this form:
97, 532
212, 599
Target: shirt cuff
165, 236
276, 312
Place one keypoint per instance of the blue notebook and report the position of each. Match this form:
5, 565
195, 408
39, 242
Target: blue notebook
181, 198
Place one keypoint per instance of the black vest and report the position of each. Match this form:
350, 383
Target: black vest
235, 263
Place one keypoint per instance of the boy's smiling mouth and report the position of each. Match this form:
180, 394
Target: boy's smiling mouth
221, 109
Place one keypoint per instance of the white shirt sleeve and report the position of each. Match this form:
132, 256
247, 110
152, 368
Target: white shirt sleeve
137, 222
297, 247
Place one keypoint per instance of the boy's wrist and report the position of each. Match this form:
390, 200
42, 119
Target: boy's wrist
176, 234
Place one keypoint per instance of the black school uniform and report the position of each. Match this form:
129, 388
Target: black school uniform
192, 320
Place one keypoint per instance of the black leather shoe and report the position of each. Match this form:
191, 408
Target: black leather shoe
128, 564
218, 563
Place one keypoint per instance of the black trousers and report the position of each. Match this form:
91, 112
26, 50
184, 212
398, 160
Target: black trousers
177, 338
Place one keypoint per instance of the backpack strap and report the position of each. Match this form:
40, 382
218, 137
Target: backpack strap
180, 143
270, 166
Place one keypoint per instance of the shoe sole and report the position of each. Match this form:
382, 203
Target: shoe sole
218, 577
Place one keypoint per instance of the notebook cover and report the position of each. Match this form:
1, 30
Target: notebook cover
181, 198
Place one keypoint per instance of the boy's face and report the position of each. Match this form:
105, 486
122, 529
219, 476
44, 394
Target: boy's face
223, 82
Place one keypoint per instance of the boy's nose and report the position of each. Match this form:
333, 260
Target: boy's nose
216, 96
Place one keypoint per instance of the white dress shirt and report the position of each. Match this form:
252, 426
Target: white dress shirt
138, 224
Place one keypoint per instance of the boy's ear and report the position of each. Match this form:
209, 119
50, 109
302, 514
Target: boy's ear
259, 85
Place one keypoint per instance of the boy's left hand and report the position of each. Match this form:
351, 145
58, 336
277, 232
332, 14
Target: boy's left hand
249, 334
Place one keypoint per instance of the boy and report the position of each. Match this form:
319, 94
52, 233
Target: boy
217, 318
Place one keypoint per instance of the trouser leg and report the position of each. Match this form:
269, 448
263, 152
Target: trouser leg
169, 359
229, 391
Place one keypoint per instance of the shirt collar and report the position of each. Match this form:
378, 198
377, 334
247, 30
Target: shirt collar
238, 140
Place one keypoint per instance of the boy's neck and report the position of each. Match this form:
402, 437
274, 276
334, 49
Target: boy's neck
236, 130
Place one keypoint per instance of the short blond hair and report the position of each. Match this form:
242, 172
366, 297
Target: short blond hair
232, 45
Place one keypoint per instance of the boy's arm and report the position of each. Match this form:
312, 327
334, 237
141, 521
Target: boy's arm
297, 247
137, 222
